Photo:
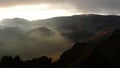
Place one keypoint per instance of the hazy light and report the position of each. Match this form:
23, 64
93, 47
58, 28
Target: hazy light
33, 12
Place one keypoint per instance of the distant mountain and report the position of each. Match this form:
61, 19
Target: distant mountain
41, 31
80, 35
17, 22
70, 26
80, 27
90, 22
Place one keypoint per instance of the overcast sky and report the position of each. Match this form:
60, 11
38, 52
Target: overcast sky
76, 6
83, 5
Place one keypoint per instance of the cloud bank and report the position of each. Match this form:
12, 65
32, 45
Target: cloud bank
86, 6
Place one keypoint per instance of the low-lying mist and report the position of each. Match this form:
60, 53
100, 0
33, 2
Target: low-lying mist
30, 42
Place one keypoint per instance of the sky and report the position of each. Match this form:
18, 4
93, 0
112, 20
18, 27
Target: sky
42, 9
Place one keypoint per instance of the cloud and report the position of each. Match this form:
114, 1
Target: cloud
4, 3
97, 6
86, 6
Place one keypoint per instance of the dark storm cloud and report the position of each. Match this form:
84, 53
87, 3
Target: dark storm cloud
87, 6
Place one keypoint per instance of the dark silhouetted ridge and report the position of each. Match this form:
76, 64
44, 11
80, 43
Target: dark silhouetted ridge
76, 54
106, 54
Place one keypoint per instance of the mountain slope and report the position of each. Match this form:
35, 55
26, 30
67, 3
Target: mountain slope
104, 54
